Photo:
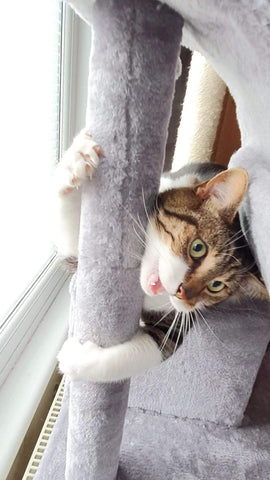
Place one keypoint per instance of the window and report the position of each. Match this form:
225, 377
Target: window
30, 98
43, 94
29, 141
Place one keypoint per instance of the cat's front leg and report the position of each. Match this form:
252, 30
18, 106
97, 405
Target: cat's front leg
91, 363
77, 164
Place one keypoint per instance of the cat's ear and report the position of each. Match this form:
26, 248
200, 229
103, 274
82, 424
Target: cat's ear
225, 191
252, 287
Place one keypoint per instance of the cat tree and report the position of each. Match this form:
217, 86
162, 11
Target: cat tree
183, 417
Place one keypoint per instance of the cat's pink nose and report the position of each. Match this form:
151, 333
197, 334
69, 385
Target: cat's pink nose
181, 293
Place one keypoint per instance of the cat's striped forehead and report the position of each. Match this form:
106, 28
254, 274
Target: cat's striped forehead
181, 217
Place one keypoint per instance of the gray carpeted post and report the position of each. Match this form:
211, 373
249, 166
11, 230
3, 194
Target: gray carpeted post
135, 51
132, 75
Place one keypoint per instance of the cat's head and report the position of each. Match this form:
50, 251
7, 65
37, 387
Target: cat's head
195, 250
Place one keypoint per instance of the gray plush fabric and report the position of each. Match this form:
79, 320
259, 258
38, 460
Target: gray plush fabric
132, 76
160, 442
159, 447
163, 447
181, 422
212, 375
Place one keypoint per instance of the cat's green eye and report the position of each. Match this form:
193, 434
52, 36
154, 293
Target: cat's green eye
197, 248
215, 286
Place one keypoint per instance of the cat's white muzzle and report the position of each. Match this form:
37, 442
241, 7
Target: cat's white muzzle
161, 269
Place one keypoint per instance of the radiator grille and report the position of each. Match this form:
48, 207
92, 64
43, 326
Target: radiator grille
45, 434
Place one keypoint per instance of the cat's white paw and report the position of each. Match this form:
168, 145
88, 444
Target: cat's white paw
78, 163
80, 361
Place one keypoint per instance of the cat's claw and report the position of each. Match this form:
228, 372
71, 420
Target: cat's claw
99, 150
78, 163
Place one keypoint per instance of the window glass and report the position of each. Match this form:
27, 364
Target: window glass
30, 39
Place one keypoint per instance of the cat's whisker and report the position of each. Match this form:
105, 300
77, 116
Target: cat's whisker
175, 330
198, 323
134, 225
187, 329
193, 323
134, 220
190, 326
239, 234
157, 207
140, 235
239, 248
232, 256
148, 237
186, 325
240, 286
178, 316
247, 268
241, 231
142, 242
175, 327
233, 241
134, 255
234, 238
231, 238
143, 230
187, 332
172, 325
179, 332
132, 217
168, 333
164, 316
141, 225
210, 329
192, 320
244, 290
183, 323
250, 298
197, 319
144, 204
166, 304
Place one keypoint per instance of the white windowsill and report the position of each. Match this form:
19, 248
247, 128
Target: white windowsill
29, 378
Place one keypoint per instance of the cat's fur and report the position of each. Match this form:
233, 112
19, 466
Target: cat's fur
198, 203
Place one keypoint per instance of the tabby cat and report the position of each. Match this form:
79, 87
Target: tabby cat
195, 256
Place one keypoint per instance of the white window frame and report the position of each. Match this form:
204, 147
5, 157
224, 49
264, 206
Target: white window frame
25, 318
37, 326
75, 64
